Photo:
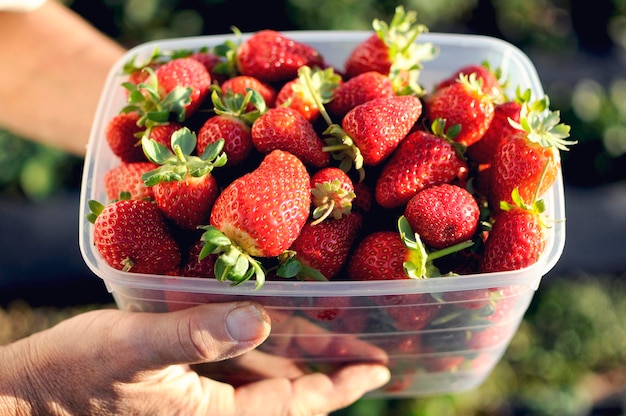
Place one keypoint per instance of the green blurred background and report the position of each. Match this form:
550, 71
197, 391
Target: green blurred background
569, 355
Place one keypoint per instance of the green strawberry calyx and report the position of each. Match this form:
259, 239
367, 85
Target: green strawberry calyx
232, 263
290, 266
419, 264
146, 99
331, 199
337, 142
537, 207
178, 163
543, 126
228, 103
405, 54
317, 85
228, 51
439, 129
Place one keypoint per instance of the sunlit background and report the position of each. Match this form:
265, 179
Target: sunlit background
569, 355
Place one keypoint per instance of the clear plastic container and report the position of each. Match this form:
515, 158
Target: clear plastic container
438, 335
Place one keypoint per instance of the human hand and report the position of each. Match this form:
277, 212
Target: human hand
116, 362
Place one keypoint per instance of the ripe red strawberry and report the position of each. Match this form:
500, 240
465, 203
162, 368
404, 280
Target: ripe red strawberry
392, 255
332, 192
131, 235
370, 55
185, 73
122, 134
358, 90
298, 93
392, 50
240, 85
127, 177
409, 311
443, 215
232, 122
271, 56
490, 336
489, 79
287, 129
183, 186
527, 160
325, 246
370, 132
194, 267
258, 214
364, 197
326, 308
483, 150
463, 103
517, 237
379, 256
162, 133
423, 159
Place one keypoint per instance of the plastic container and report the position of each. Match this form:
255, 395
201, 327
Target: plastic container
438, 335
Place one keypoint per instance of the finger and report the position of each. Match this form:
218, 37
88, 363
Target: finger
204, 333
250, 367
312, 394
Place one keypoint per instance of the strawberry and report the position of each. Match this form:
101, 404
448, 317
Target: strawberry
463, 103
359, 89
131, 235
194, 267
392, 50
258, 214
127, 177
324, 246
332, 192
517, 237
232, 122
298, 93
527, 160
371, 55
185, 73
483, 150
392, 255
423, 159
270, 56
326, 308
363, 197
183, 186
122, 134
287, 129
162, 133
379, 256
370, 132
489, 79
490, 336
443, 215
240, 85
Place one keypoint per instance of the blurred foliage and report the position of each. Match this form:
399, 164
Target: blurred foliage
35, 171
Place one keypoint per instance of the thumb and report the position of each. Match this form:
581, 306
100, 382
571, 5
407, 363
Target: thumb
204, 333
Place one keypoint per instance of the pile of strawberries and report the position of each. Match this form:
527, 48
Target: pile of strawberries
257, 160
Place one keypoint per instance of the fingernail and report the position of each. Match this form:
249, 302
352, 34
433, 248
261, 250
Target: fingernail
380, 376
245, 323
